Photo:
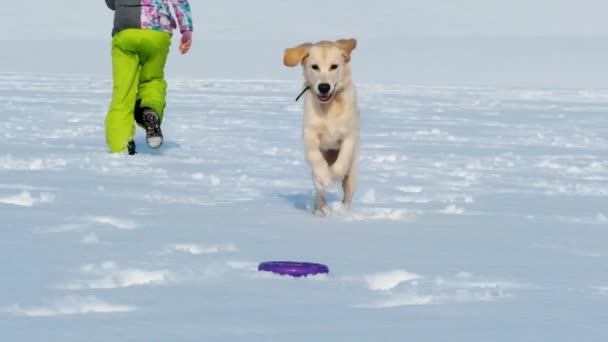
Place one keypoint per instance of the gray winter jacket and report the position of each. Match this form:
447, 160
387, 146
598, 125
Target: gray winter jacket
151, 15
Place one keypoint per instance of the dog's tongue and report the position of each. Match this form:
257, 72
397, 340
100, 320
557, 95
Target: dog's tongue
324, 98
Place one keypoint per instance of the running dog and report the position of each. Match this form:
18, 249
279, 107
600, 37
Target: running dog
331, 115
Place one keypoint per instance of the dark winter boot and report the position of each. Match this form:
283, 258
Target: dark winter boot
131, 147
148, 119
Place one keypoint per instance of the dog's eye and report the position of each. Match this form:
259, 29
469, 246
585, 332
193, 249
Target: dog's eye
315, 67
333, 67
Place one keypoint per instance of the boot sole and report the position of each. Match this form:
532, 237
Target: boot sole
154, 142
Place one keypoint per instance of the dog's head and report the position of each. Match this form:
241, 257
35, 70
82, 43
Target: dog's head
325, 65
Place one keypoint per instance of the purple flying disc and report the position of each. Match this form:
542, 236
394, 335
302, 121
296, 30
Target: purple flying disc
293, 268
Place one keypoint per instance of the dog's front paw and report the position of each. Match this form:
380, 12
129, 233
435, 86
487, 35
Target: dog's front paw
320, 212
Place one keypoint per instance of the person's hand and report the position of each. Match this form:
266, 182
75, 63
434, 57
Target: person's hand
186, 42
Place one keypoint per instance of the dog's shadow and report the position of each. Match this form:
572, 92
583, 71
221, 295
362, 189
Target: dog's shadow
304, 201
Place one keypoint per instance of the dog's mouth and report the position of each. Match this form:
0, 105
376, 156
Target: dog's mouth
324, 98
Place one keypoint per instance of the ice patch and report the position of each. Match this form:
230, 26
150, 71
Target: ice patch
199, 249
388, 280
115, 222
109, 276
69, 305
25, 199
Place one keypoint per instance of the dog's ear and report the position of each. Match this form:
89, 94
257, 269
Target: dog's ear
295, 55
347, 46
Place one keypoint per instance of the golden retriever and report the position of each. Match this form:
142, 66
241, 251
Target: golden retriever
331, 115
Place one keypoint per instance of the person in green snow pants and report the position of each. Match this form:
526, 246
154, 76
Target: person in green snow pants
140, 46
138, 63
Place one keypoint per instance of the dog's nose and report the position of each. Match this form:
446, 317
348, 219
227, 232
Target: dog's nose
324, 88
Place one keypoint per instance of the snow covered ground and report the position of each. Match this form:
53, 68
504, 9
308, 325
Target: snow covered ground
481, 216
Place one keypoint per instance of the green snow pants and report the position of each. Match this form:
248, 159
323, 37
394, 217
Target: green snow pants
138, 64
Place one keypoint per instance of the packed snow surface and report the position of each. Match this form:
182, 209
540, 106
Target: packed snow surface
481, 215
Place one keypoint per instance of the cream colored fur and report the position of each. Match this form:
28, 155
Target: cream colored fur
331, 125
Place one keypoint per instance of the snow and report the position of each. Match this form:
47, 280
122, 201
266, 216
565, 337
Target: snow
388, 280
71, 305
480, 213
